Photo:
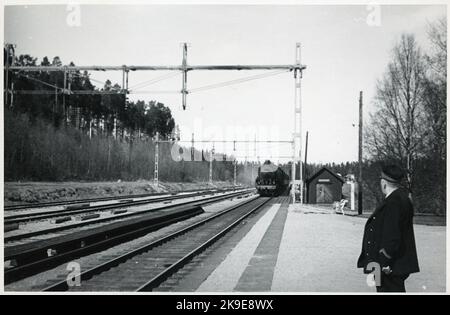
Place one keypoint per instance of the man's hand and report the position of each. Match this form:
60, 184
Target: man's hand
387, 270
384, 260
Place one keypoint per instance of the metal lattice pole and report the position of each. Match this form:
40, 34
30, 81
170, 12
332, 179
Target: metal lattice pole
210, 164
184, 68
235, 163
297, 128
293, 173
156, 174
12, 96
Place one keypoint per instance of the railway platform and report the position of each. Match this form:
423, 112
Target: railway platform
304, 248
253, 244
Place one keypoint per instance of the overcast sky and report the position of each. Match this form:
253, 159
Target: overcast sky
344, 54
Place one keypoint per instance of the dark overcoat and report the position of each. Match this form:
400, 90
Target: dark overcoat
390, 227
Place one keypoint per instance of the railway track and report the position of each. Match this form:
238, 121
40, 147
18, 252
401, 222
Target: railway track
34, 257
100, 199
57, 229
145, 268
87, 208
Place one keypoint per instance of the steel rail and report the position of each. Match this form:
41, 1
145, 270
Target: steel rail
121, 216
172, 269
88, 274
103, 241
25, 217
69, 202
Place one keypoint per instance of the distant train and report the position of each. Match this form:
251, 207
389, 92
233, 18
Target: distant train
271, 180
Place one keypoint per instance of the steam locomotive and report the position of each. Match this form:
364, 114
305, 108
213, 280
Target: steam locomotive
271, 180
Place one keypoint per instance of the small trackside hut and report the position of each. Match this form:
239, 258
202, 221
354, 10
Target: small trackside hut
324, 186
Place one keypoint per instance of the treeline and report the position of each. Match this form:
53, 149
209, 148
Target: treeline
429, 183
103, 137
409, 125
37, 150
50, 136
107, 112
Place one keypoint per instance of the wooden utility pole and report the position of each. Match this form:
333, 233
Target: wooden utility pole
305, 175
360, 203
156, 172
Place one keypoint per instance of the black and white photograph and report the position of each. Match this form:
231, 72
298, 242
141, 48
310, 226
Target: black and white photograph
220, 149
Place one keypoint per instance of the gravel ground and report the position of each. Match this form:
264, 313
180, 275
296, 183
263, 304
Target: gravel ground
47, 223
37, 282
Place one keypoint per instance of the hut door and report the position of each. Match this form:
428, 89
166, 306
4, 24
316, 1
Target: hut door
323, 193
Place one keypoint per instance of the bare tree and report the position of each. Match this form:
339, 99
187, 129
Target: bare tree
437, 34
397, 130
435, 93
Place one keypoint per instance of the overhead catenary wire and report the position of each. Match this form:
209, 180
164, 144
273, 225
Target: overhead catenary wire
132, 89
237, 81
40, 81
154, 92
89, 77
154, 80
60, 89
263, 156
160, 78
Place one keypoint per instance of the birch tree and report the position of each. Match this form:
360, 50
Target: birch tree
397, 129
435, 94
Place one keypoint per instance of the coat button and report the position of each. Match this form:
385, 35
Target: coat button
374, 218
368, 242
367, 254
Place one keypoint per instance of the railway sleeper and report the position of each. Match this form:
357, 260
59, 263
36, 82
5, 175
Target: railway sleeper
76, 206
61, 220
11, 227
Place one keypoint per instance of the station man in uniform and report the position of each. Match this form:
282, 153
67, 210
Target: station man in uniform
389, 236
